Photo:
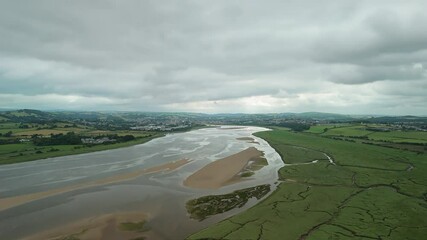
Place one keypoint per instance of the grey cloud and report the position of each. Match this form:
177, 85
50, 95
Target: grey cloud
151, 54
378, 30
353, 74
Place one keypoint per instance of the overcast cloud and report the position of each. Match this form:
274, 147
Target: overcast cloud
215, 56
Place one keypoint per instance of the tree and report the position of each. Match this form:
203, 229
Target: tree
128, 138
59, 139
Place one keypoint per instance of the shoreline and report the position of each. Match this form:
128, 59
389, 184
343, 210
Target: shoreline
223, 171
85, 150
95, 148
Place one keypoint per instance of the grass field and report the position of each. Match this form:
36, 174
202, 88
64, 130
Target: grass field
395, 136
371, 192
322, 127
350, 131
362, 131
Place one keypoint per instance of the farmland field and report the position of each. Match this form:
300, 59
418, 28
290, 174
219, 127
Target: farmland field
368, 132
408, 136
350, 131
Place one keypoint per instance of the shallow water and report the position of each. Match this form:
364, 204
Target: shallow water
161, 195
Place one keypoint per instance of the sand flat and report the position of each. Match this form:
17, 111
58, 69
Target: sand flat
10, 202
222, 171
105, 227
230, 128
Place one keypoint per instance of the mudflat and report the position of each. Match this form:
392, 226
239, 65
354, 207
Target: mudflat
9, 202
109, 227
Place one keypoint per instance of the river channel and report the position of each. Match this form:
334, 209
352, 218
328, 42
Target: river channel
161, 195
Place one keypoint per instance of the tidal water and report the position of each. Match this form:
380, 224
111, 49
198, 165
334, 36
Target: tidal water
159, 195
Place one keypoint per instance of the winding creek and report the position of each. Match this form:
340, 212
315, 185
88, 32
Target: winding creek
38, 196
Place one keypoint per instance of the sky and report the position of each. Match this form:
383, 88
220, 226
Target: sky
350, 57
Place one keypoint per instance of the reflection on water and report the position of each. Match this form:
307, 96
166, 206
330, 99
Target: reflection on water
203, 207
160, 196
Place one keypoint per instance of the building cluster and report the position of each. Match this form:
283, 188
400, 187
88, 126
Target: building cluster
153, 127
97, 140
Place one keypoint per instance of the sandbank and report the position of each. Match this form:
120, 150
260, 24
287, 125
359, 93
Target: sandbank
223, 171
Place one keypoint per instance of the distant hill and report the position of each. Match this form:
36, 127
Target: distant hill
397, 119
26, 115
30, 115
318, 116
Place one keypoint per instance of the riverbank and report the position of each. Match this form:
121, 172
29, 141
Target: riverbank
366, 192
44, 152
26, 151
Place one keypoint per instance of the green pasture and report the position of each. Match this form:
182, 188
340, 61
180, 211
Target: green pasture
318, 128
400, 136
370, 192
350, 131
8, 125
361, 131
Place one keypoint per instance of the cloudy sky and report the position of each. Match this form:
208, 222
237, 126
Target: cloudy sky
215, 56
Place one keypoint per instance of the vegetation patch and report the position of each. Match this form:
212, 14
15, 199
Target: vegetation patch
254, 165
133, 226
295, 154
203, 207
247, 174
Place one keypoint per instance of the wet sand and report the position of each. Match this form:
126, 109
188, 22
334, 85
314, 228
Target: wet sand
106, 227
223, 171
230, 128
248, 139
10, 202
245, 138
